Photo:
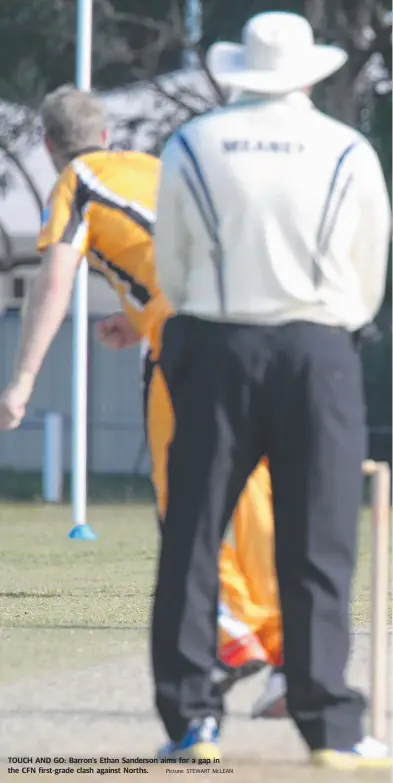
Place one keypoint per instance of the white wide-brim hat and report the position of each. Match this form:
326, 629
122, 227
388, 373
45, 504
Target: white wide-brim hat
278, 55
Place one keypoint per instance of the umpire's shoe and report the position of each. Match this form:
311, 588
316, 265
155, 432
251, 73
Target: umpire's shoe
367, 754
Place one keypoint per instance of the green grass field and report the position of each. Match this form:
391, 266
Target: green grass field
67, 604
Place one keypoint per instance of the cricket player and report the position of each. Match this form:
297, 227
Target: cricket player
103, 207
272, 237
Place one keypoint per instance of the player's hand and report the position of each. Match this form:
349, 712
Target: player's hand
116, 333
13, 402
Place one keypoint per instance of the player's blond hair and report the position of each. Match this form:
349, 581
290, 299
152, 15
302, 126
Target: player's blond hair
73, 119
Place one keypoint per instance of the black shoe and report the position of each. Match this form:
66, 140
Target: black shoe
227, 676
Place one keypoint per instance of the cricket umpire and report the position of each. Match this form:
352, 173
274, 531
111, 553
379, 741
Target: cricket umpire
272, 242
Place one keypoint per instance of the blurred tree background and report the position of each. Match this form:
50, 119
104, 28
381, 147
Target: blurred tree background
140, 39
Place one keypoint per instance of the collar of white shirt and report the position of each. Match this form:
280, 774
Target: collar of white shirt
294, 99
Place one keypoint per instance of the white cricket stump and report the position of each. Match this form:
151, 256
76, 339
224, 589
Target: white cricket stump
379, 474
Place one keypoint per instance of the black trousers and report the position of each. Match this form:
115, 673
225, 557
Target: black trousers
293, 393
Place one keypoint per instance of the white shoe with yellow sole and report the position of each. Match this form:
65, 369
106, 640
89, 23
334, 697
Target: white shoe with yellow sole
367, 754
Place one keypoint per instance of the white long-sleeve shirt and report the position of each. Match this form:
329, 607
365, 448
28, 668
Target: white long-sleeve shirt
270, 212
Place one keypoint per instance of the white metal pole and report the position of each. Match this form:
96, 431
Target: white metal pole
193, 28
379, 701
80, 305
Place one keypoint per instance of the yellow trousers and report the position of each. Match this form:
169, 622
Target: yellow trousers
247, 571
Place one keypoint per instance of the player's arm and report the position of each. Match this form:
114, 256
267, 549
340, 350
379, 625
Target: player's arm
46, 308
62, 243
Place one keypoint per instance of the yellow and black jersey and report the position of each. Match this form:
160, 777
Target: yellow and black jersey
103, 205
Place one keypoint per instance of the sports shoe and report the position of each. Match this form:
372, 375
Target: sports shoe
272, 703
367, 754
237, 662
199, 742
239, 657
226, 677
242, 652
